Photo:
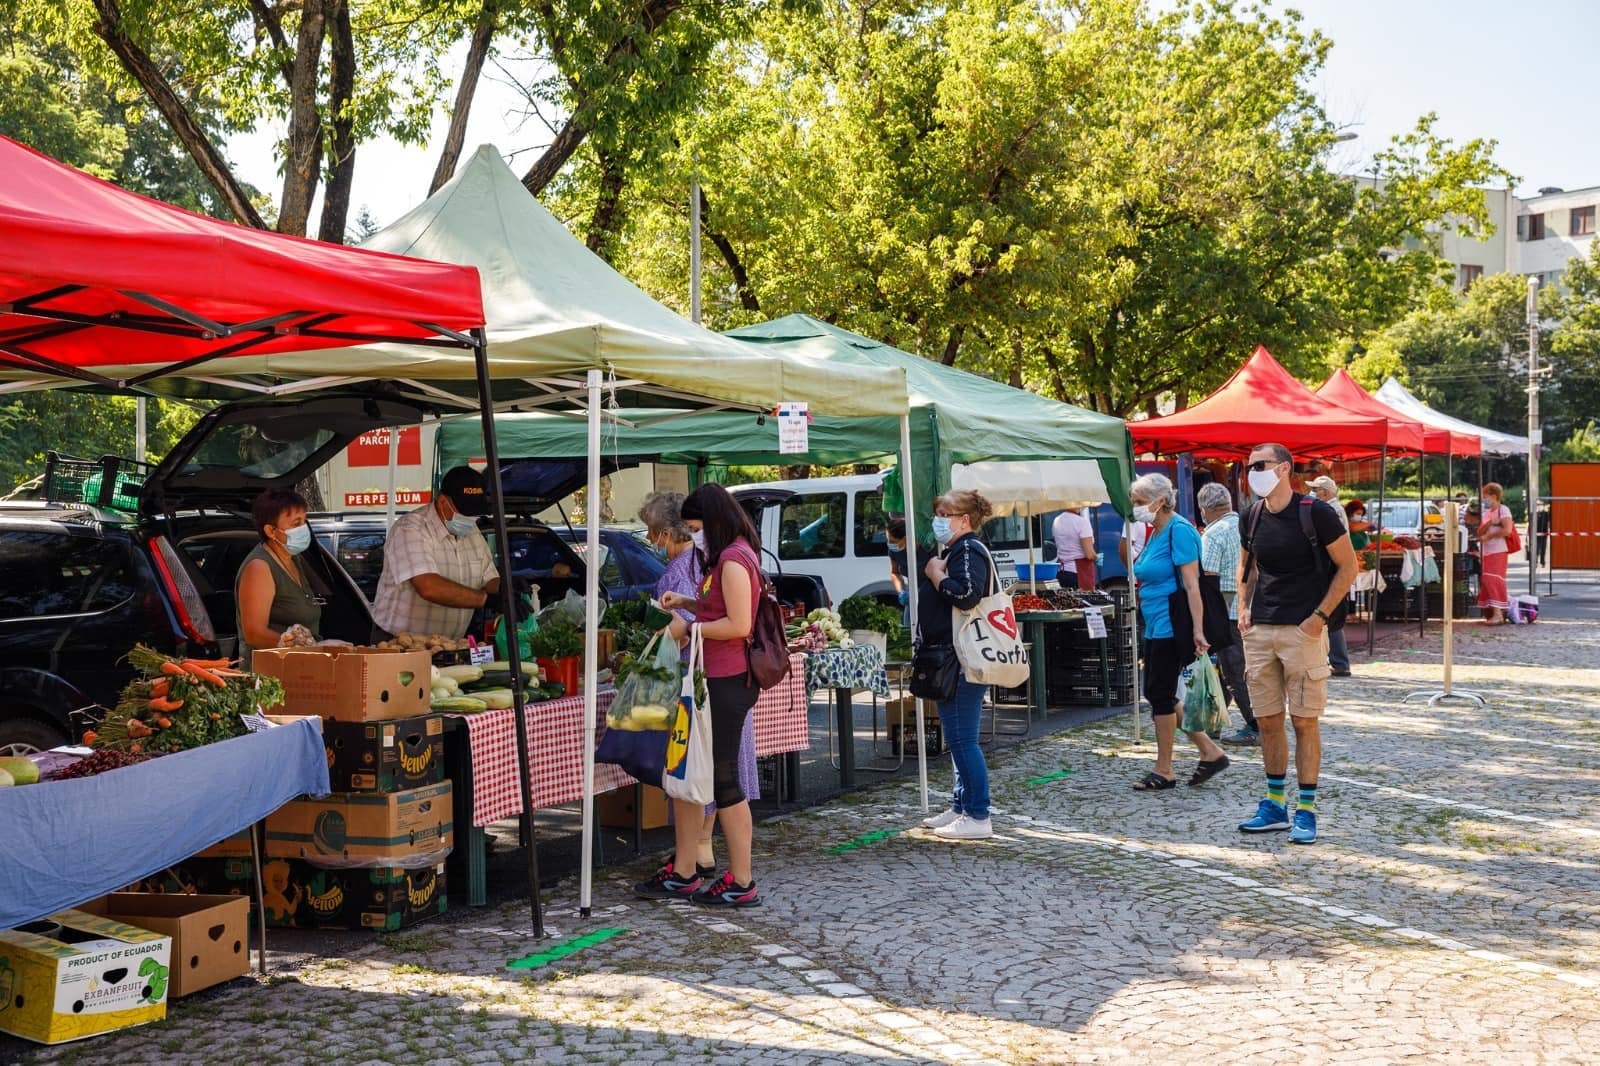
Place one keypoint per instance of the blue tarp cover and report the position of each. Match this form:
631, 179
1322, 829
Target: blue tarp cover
63, 843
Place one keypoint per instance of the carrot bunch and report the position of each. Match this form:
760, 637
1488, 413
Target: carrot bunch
181, 702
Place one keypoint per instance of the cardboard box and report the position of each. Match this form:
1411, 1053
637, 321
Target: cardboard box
394, 828
385, 756
302, 896
349, 684
77, 974
210, 934
902, 711
615, 808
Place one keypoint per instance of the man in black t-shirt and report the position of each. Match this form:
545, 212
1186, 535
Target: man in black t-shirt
1296, 565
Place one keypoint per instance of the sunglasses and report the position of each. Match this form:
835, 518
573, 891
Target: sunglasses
1263, 464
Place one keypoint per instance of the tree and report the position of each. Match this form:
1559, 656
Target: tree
1570, 395
1087, 197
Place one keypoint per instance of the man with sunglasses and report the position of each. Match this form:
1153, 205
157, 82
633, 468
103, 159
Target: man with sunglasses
1296, 565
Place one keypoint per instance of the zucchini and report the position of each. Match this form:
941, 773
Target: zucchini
460, 705
497, 698
462, 673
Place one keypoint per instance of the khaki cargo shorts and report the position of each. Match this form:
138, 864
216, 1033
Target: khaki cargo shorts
1284, 667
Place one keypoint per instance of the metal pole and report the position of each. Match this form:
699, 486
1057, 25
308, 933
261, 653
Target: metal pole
694, 252
1377, 541
394, 462
1534, 433
591, 641
1448, 692
508, 619
1422, 533
913, 579
140, 426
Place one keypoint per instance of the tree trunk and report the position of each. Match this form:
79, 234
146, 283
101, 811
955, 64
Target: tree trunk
455, 139
607, 214
302, 163
741, 277
1058, 381
1016, 362
108, 27
548, 165
797, 472
341, 88
952, 345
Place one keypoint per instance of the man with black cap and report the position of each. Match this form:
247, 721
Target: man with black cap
437, 568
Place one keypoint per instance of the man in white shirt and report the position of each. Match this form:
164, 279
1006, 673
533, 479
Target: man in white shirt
437, 568
1074, 537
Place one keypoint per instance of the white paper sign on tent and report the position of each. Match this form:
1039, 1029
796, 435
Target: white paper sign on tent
794, 429
1096, 623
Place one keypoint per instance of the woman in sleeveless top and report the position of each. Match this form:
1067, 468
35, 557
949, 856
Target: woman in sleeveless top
272, 592
1495, 524
725, 611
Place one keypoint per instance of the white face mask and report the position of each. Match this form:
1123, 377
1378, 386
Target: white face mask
1143, 513
1262, 482
697, 537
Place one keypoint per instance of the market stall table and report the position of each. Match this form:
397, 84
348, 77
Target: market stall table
1033, 624
844, 670
483, 769
71, 841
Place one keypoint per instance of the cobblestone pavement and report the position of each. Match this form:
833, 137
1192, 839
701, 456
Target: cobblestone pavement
1451, 912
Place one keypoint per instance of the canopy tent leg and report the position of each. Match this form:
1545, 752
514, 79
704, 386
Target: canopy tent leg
1033, 574
913, 579
394, 463
1422, 553
1377, 542
508, 620
591, 642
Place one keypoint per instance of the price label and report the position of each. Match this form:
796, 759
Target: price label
481, 654
794, 429
1096, 622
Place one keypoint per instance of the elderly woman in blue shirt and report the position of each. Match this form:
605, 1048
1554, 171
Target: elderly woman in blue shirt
1171, 556
662, 515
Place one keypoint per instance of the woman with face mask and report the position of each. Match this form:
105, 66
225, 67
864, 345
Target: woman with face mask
1170, 560
272, 591
958, 578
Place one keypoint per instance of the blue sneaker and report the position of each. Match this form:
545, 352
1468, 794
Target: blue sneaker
1270, 818
1305, 828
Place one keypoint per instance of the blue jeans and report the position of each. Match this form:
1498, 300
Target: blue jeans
1338, 650
959, 719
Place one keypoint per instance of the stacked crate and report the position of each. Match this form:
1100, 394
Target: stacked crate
1073, 674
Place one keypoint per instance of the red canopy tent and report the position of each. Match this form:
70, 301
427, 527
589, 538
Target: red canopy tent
1406, 434
93, 275
1262, 402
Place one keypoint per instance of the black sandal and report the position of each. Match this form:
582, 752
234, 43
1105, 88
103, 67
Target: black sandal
1207, 770
1154, 782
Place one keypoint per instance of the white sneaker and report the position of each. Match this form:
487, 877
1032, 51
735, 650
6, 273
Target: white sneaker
965, 828
939, 821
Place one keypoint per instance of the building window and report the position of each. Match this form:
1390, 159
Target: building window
1530, 227
1466, 274
1582, 221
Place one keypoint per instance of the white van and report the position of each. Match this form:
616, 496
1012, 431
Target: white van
832, 527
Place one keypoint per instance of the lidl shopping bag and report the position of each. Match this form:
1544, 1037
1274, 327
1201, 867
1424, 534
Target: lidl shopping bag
1203, 708
687, 772
639, 723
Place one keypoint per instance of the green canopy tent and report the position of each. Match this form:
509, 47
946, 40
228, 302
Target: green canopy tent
956, 418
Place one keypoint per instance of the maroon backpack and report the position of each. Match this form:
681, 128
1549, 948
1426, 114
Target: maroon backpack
768, 644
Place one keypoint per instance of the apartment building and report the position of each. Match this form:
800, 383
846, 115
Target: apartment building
1534, 236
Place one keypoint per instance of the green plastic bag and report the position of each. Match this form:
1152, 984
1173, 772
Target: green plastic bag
1203, 708
527, 626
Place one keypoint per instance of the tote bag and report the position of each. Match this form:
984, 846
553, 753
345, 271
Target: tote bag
687, 773
988, 643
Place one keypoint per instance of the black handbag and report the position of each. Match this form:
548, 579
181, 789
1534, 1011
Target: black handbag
1220, 630
934, 672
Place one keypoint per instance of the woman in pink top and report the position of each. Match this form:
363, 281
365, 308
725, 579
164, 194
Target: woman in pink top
1494, 525
725, 611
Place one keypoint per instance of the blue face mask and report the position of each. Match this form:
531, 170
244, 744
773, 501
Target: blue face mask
297, 540
941, 529
460, 525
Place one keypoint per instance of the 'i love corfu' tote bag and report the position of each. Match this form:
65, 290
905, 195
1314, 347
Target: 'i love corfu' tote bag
988, 642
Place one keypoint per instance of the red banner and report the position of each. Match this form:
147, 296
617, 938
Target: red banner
402, 498
372, 449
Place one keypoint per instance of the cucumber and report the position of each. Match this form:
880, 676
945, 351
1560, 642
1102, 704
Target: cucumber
460, 705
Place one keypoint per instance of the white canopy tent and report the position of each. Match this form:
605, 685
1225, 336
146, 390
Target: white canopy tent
1033, 488
1401, 399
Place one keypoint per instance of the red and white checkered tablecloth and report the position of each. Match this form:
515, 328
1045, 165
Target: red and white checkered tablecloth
555, 734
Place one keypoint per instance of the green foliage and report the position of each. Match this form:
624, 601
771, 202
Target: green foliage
865, 612
1570, 392
80, 424
558, 637
1092, 199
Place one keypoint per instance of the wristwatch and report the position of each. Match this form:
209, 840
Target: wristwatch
1321, 614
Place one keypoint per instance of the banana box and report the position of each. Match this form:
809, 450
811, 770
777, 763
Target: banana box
411, 827
385, 756
75, 975
300, 895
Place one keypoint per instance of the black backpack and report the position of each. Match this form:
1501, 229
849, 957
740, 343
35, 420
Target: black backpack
1319, 554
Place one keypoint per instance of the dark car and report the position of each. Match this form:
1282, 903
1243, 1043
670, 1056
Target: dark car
628, 566
80, 585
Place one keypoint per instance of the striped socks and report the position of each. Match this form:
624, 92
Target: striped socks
1308, 797
1275, 789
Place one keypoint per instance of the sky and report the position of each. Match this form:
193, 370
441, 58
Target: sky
1519, 75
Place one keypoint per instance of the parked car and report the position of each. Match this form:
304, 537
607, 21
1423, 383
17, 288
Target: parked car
628, 566
356, 540
1400, 516
80, 586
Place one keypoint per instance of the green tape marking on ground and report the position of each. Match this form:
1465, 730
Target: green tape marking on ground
861, 841
563, 949
1045, 779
